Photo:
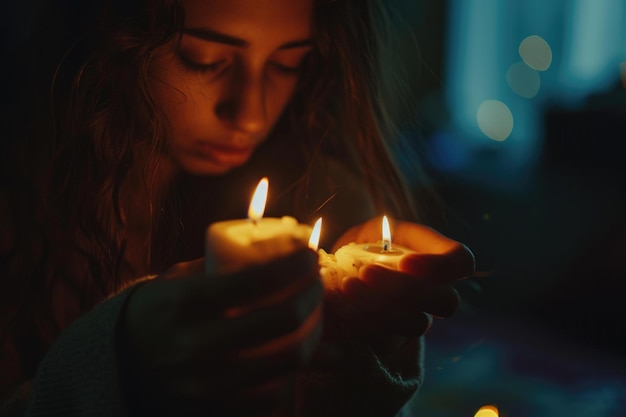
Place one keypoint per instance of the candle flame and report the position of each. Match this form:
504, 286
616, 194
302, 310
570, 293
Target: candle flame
386, 234
314, 240
257, 204
487, 411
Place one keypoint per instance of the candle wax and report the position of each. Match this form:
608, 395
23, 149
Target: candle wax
236, 244
329, 271
351, 258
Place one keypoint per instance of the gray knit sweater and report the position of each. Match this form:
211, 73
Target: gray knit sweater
79, 376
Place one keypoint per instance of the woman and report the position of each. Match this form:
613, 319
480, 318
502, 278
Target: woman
141, 124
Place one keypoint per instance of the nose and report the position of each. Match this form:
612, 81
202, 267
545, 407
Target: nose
243, 103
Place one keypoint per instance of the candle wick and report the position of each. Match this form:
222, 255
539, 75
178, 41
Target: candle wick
386, 245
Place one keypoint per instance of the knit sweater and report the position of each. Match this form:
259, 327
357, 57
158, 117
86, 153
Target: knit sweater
80, 376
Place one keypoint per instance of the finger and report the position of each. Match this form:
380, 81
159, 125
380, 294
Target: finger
242, 370
260, 326
399, 287
296, 346
248, 368
280, 276
360, 296
293, 270
421, 239
440, 268
450, 259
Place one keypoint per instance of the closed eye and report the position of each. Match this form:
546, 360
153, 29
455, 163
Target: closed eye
290, 62
287, 69
200, 67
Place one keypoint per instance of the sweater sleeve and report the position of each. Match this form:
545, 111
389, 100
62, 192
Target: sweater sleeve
365, 385
79, 374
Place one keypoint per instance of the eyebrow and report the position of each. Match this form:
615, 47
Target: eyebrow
213, 36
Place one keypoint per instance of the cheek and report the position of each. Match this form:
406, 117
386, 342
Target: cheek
186, 107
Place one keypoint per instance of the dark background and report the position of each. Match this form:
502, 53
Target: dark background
553, 250
541, 330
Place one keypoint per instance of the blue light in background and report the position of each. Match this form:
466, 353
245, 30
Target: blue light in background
597, 44
586, 41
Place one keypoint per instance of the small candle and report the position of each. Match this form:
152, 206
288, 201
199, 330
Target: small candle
351, 258
327, 262
236, 244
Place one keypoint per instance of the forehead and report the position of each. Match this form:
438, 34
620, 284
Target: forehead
252, 20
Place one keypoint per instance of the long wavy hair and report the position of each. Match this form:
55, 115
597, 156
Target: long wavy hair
99, 126
81, 111
348, 97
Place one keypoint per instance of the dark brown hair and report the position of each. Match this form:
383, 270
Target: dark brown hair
351, 39
81, 107
90, 97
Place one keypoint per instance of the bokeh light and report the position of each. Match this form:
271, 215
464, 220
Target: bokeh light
487, 411
495, 120
536, 53
524, 80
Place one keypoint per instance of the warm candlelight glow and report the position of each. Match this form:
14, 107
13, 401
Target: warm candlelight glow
386, 234
257, 204
487, 411
314, 240
232, 245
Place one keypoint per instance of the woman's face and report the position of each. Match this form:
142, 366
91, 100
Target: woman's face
227, 85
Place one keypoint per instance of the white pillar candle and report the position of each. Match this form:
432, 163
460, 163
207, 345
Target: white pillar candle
235, 244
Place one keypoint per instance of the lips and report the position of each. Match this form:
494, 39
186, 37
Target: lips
229, 155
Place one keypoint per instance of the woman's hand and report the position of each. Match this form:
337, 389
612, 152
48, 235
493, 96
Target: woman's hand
222, 344
386, 307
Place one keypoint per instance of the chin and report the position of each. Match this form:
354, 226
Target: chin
207, 171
